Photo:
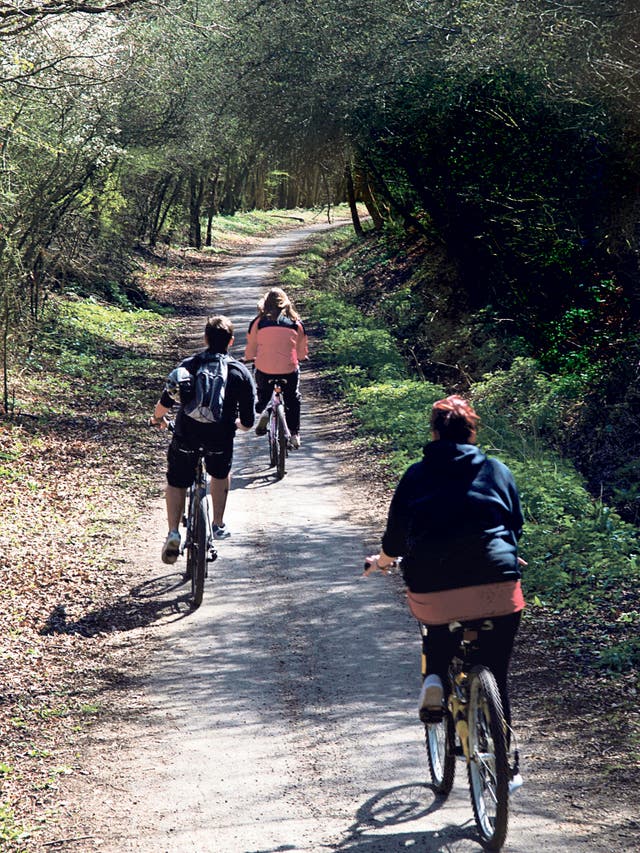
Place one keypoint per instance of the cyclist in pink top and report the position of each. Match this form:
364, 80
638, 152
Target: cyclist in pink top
277, 342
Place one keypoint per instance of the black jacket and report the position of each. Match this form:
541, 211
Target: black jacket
455, 519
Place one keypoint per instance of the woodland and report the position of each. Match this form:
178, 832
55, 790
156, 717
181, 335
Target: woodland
489, 155
499, 138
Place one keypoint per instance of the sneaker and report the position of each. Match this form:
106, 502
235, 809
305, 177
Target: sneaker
515, 783
295, 441
261, 426
171, 548
431, 697
220, 531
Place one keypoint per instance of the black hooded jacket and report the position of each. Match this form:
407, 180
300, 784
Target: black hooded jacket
455, 519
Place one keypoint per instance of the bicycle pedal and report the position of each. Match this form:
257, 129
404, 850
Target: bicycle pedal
212, 555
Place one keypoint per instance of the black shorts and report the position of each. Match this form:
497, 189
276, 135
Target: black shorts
182, 460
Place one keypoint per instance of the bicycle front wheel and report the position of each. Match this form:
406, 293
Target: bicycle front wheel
281, 442
190, 524
440, 739
199, 550
488, 759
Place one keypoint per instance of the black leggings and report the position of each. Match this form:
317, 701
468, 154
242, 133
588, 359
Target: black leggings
290, 395
495, 649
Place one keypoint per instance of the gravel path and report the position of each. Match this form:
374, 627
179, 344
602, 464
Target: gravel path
281, 716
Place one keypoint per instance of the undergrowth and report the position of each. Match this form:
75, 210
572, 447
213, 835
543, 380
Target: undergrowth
582, 557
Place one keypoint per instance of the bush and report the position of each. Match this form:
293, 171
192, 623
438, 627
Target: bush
371, 350
530, 401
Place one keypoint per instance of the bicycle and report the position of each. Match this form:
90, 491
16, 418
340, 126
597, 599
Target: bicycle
198, 542
278, 433
473, 725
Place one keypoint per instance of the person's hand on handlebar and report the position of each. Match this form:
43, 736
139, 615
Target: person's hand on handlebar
159, 417
158, 423
379, 563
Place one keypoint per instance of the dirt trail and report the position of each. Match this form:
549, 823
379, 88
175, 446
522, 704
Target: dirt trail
280, 716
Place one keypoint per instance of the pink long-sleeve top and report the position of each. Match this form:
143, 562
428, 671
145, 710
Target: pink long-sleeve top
277, 346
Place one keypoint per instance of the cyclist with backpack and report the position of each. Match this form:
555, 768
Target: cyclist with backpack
277, 342
215, 394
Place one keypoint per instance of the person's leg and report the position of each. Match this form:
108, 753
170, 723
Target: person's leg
440, 645
175, 498
263, 395
496, 647
263, 390
292, 398
181, 463
219, 489
218, 463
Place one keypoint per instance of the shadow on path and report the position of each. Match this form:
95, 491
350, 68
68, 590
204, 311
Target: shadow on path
164, 597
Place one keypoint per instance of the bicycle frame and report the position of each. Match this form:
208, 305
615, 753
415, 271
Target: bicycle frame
278, 433
474, 716
277, 399
198, 542
457, 697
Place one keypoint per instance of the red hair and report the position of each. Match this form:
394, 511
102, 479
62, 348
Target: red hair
454, 419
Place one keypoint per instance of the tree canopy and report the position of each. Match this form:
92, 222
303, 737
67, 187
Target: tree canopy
506, 134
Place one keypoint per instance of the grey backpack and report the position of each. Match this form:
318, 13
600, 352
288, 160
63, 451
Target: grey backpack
209, 385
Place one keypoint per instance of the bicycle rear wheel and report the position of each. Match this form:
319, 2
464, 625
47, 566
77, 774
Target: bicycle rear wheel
281, 442
272, 435
440, 739
198, 553
488, 759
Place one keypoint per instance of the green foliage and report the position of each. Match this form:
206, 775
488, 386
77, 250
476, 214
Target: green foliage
621, 656
523, 401
332, 312
10, 830
292, 277
578, 549
578, 339
91, 353
395, 413
581, 555
373, 351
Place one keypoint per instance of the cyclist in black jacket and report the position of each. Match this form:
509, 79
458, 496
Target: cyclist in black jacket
216, 438
455, 519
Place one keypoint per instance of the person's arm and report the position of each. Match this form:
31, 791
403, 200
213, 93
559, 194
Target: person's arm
157, 419
251, 348
379, 563
394, 537
246, 402
302, 343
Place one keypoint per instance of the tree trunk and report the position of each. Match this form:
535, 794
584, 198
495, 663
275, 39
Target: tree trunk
174, 195
353, 207
370, 203
161, 192
212, 208
196, 191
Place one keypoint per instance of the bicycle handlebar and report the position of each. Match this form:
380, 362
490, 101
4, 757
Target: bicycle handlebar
371, 564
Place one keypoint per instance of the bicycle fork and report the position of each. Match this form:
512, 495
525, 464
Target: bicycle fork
459, 708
